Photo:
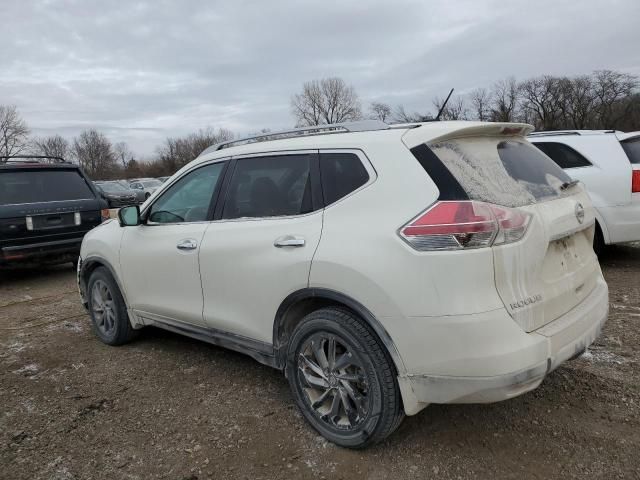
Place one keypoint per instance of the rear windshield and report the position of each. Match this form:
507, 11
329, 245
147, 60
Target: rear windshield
42, 186
512, 173
632, 149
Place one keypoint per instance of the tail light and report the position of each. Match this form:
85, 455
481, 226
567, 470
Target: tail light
635, 181
465, 224
104, 213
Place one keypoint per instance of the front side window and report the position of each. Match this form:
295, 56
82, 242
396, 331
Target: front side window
563, 155
189, 199
341, 173
270, 186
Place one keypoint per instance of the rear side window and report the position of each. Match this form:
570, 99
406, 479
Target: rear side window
36, 186
341, 173
270, 186
504, 172
632, 149
563, 155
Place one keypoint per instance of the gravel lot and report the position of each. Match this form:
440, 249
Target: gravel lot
166, 406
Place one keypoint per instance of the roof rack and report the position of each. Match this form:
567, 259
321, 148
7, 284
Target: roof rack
361, 126
548, 133
31, 159
554, 132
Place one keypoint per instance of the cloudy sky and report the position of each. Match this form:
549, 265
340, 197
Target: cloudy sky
141, 71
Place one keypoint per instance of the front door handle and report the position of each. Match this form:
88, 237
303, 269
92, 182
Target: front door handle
289, 241
188, 244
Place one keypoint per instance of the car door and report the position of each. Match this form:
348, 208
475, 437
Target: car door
260, 246
159, 258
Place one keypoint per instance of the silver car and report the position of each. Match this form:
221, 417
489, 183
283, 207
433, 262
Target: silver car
146, 185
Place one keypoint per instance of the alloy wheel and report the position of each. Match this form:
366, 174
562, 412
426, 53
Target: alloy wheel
333, 379
103, 307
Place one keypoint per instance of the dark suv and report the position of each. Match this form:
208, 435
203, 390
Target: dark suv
46, 207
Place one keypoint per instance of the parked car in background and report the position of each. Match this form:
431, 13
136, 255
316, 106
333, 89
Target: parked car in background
140, 195
608, 163
383, 268
117, 195
47, 205
146, 185
164, 179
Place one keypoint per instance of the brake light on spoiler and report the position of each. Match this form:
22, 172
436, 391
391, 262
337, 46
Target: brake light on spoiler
457, 225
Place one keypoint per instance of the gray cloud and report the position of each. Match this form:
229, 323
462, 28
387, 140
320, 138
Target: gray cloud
141, 71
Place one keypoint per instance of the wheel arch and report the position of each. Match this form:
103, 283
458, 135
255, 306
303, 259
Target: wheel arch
90, 264
304, 301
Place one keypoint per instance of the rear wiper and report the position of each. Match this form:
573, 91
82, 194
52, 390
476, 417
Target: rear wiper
567, 185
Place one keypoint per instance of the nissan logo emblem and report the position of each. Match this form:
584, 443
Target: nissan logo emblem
579, 212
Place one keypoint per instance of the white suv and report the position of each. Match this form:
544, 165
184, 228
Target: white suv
381, 268
608, 163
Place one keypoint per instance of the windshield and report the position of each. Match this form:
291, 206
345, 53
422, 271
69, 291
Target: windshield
151, 183
42, 186
113, 187
512, 173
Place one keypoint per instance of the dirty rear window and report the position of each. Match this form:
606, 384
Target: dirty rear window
505, 172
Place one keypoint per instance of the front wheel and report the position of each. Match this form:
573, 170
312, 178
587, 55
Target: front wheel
107, 309
343, 379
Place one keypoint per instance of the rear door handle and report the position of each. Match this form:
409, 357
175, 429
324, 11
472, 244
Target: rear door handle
187, 244
289, 241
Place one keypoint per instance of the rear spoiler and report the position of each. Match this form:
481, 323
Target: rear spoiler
627, 136
440, 131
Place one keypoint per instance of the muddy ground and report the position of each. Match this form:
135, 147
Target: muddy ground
169, 407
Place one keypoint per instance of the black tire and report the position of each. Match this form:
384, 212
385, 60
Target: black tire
147, 195
112, 326
598, 241
378, 410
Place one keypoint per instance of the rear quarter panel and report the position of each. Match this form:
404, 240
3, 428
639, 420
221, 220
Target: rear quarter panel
361, 254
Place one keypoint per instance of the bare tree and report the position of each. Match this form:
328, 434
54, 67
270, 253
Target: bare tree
14, 132
610, 89
544, 97
504, 100
93, 151
400, 115
455, 108
329, 100
53, 146
480, 101
576, 100
123, 153
177, 152
379, 111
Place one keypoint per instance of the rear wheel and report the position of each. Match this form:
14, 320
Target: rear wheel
343, 379
598, 241
107, 309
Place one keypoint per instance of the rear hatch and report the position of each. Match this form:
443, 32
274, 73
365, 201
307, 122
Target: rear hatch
45, 204
552, 268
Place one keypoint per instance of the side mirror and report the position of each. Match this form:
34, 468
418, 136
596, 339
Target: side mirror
129, 216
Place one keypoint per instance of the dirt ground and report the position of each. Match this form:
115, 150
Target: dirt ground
169, 407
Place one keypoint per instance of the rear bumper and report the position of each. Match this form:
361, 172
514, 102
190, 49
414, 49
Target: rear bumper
538, 353
56, 250
622, 222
